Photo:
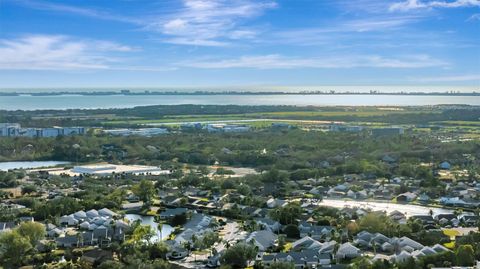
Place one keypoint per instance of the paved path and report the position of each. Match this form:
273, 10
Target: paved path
229, 233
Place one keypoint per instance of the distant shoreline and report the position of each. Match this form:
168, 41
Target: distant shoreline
130, 93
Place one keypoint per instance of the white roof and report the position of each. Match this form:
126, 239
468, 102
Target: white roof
307, 242
348, 248
106, 212
84, 225
92, 213
80, 214
403, 256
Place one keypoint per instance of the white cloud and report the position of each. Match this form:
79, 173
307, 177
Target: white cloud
87, 12
275, 61
418, 4
56, 52
353, 32
209, 22
474, 17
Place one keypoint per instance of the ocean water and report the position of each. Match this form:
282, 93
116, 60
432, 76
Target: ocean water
28, 102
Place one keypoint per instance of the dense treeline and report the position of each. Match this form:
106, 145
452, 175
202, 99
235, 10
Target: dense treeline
291, 150
97, 117
64, 117
410, 117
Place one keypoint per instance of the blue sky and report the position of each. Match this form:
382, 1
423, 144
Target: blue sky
239, 43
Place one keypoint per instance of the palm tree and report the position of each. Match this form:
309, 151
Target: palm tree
79, 239
160, 226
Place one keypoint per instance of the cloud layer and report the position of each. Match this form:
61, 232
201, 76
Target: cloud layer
210, 22
418, 4
275, 61
57, 52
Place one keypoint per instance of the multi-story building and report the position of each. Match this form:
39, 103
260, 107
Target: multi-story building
14, 130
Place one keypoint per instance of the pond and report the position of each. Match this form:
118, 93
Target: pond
5, 166
149, 220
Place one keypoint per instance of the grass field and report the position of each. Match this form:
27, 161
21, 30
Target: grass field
459, 123
179, 119
357, 113
293, 115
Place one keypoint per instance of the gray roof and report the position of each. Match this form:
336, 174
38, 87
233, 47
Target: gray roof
265, 238
7, 225
171, 212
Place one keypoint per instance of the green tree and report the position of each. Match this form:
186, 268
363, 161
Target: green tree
239, 255
110, 265
28, 189
361, 263
160, 264
292, 231
281, 242
465, 255
375, 223
159, 250
287, 214
142, 235
13, 248
145, 190
33, 231
281, 265
209, 238
178, 220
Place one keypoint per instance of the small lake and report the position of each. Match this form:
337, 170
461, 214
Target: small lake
149, 220
5, 166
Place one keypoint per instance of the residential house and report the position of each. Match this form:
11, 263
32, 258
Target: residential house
470, 220
172, 212
269, 224
406, 243
197, 225
132, 206
426, 220
7, 226
398, 217
274, 202
452, 201
347, 251
423, 198
96, 256
69, 220
447, 219
406, 197
317, 232
263, 240
306, 243
300, 260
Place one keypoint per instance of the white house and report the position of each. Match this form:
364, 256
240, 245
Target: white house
270, 224
306, 243
69, 220
105, 212
263, 239
403, 256
348, 251
273, 202
405, 242
92, 213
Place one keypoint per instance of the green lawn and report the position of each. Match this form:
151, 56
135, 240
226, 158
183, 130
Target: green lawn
459, 123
